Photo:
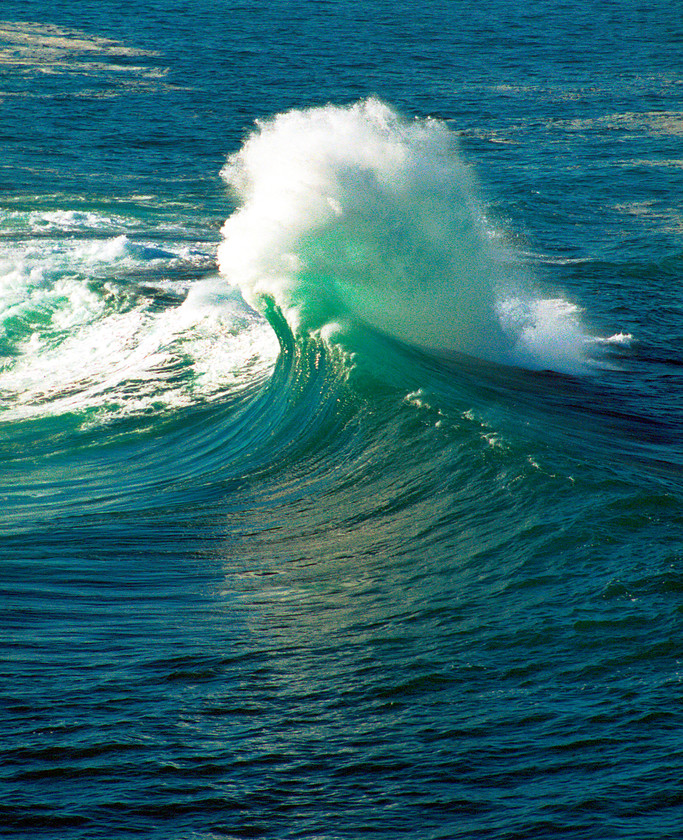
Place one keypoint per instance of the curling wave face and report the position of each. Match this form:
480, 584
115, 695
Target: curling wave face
355, 214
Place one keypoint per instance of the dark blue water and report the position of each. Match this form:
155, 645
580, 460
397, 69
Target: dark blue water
341, 420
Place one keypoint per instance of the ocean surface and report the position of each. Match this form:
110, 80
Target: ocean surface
341, 419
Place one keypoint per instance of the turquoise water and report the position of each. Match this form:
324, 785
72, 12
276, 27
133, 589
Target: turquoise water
341, 443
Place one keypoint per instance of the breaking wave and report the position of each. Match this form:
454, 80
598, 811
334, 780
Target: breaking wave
355, 214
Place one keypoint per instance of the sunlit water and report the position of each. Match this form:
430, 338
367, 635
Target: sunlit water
341, 446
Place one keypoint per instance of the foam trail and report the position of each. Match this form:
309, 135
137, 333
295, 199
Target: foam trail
77, 337
353, 212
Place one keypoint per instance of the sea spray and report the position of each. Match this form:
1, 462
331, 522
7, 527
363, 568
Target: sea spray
354, 212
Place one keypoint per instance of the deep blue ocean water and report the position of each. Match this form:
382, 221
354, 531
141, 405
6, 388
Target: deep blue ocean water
341, 419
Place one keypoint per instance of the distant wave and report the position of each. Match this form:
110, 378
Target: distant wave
356, 214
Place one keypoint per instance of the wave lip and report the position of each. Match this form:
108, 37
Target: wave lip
355, 213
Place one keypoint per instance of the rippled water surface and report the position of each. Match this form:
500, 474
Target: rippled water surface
341, 414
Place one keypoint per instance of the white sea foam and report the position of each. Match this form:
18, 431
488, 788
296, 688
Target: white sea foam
80, 338
620, 339
138, 360
546, 333
37, 48
356, 212
29, 268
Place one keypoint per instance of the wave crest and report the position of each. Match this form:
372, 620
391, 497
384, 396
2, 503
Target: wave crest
355, 213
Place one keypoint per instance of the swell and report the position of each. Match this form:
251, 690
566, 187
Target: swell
178, 460
391, 317
365, 423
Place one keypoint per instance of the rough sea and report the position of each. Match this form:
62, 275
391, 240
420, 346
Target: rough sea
341, 419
